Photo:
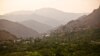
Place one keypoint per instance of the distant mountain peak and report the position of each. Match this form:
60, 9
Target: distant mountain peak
59, 15
49, 9
49, 16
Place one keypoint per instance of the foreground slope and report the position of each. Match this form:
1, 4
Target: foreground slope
4, 35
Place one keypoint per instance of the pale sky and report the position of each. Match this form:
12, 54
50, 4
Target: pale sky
76, 6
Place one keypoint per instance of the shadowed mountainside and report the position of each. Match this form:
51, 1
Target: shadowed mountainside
17, 29
4, 35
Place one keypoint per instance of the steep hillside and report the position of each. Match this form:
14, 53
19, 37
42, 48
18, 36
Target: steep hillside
17, 29
91, 21
4, 35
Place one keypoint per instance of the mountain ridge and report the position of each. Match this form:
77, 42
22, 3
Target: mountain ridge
86, 22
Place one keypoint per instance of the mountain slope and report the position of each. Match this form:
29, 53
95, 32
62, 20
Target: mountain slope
61, 16
91, 21
4, 35
49, 16
17, 29
40, 27
27, 15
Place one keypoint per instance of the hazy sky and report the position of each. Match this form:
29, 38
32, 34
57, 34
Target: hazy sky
77, 6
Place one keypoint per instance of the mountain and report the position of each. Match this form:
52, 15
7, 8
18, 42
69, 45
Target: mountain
4, 35
18, 15
49, 16
61, 16
17, 29
91, 21
30, 15
40, 27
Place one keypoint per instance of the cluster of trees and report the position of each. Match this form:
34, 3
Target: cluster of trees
83, 43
